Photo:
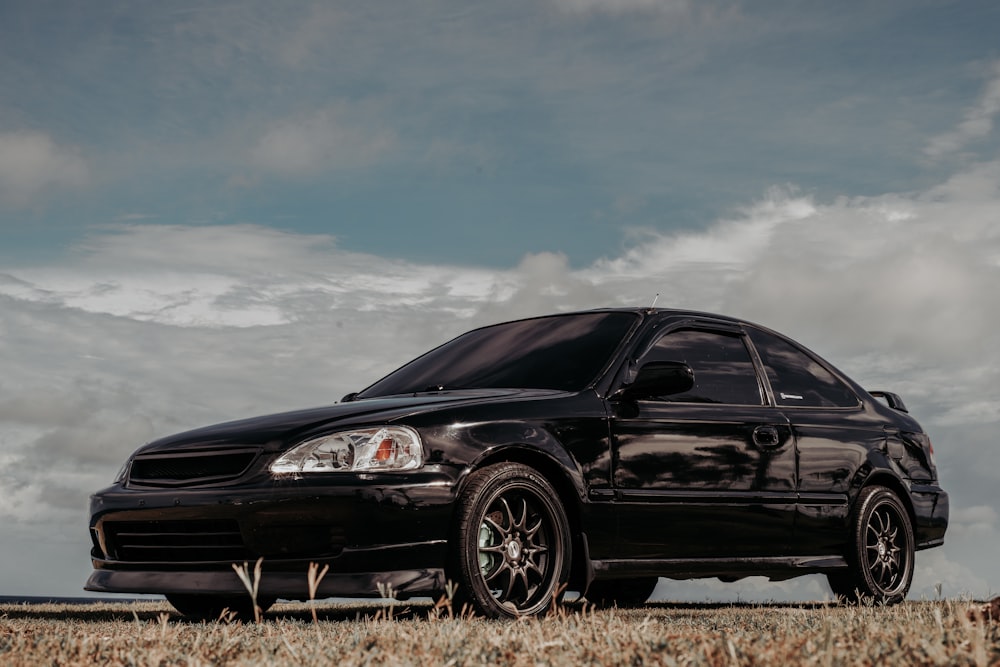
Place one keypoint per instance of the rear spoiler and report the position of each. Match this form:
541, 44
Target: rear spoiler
894, 401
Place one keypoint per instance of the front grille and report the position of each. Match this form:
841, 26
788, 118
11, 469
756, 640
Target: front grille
190, 468
175, 541
214, 540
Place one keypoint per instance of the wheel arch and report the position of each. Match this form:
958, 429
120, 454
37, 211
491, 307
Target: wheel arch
567, 490
894, 484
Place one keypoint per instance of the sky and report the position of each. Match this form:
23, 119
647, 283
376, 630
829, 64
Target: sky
216, 210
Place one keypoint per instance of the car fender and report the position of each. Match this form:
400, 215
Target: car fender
881, 470
529, 444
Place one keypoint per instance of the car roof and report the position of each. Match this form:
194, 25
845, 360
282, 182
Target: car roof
648, 312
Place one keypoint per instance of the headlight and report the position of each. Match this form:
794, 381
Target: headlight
120, 477
359, 450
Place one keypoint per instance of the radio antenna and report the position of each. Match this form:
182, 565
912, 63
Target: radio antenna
653, 305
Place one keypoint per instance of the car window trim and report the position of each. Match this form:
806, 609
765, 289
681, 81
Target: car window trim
725, 328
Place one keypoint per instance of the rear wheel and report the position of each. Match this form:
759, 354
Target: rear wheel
621, 592
881, 556
211, 607
512, 546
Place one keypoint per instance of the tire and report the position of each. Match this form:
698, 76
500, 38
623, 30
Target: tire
511, 548
621, 592
881, 554
211, 607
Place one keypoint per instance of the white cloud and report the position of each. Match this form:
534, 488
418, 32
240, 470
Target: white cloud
321, 141
979, 520
31, 163
311, 32
134, 217
251, 249
977, 123
622, 6
244, 275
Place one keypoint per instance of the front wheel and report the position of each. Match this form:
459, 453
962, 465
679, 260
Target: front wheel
881, 556
512, 542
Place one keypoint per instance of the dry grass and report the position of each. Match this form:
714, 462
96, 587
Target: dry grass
149, 633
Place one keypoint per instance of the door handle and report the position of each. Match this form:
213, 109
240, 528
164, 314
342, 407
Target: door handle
766, 437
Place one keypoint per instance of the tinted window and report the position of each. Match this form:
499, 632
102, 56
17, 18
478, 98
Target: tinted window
797, 378
723, 370
562, 352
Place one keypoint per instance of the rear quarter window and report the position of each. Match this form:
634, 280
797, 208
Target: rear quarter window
797, 378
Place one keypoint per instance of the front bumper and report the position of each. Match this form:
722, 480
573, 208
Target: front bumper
400, 584
370, 529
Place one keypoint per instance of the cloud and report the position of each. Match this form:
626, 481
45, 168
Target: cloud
322, 141
977, 123
31, 163
242, 276
844, 273
308, 35
188, 248
978, 519
622, 6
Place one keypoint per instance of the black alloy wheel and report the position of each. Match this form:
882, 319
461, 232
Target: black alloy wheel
212, 607
881, 558
621, 592
512, 546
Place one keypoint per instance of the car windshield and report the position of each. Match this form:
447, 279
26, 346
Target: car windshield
564, 352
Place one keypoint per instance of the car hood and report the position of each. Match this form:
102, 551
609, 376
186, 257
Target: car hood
278, 430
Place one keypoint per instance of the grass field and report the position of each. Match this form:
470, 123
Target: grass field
149, 633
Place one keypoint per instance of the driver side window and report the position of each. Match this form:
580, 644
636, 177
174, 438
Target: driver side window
723, 370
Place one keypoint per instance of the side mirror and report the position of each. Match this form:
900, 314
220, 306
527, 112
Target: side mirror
349, 397
659, 378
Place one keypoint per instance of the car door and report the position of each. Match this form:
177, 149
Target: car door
706, 473
833, 436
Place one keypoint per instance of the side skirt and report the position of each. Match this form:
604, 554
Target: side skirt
727, 569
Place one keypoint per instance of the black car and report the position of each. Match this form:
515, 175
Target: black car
592, 452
